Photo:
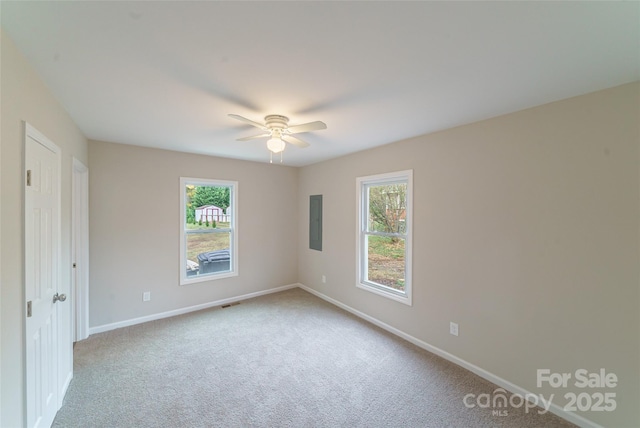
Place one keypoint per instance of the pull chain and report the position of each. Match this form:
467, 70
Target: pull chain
271, 156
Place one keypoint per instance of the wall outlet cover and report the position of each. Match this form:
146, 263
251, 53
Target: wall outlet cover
453, 328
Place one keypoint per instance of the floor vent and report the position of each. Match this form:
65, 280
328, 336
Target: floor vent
230, 304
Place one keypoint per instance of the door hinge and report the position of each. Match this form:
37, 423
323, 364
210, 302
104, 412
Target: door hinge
28, 308
28, 177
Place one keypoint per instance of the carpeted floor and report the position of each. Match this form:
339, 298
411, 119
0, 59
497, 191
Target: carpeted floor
282, 360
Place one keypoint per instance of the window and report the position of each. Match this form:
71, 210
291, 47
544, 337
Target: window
384, 234
208, 234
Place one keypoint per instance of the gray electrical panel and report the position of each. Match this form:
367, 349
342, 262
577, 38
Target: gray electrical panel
315, 222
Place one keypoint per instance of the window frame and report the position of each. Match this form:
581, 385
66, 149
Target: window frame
362, 212
232, 230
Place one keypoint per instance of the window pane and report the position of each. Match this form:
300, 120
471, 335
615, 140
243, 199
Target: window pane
208, 230
386, 263
208, 253
387, 208
208, 207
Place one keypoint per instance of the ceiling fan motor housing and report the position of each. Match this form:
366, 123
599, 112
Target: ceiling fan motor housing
276, 121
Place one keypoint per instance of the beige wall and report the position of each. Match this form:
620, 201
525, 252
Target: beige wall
525, 233
134, 208
25, 98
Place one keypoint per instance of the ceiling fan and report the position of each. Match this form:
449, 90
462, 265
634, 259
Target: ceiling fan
277, 129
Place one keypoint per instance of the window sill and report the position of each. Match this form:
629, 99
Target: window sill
203, 278
398, 297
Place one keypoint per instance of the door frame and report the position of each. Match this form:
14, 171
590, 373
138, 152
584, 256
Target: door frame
80, 249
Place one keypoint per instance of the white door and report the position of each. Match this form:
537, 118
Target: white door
45, 372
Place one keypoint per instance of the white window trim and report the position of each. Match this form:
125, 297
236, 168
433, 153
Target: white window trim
234, 231
361, 225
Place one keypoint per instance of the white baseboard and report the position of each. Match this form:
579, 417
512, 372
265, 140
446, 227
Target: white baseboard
555, 409
173, 313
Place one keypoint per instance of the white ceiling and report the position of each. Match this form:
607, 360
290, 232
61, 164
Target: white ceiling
166, 74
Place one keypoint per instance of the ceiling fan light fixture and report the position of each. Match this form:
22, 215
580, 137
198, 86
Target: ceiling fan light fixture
275, 145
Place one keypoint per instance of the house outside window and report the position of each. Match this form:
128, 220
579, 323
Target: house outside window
384, 234
208, 231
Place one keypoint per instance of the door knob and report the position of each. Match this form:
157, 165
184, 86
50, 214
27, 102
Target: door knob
60, 297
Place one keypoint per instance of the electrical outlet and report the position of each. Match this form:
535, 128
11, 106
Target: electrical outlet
146, 296
324, 279
453, 328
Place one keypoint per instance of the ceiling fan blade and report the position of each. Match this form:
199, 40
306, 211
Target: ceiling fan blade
294, 140
306, 127
250, 122
254, 136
